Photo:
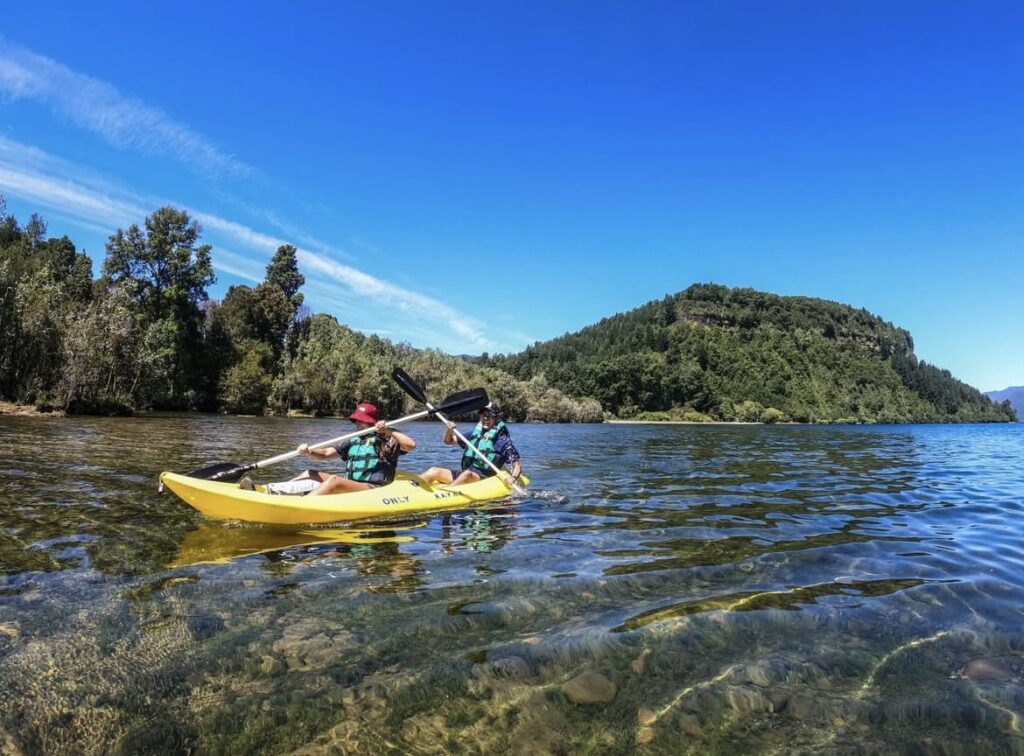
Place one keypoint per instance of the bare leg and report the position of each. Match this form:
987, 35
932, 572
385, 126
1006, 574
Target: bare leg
466, 476
437, 475
309, 475
338, 484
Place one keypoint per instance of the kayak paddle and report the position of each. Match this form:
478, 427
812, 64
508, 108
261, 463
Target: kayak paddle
460, 402
414, 390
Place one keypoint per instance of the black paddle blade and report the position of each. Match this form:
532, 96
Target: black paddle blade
463, 402
227, 472
408, 385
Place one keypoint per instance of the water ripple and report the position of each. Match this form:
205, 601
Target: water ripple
667, 588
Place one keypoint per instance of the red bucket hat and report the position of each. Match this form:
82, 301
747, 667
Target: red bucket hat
364, 413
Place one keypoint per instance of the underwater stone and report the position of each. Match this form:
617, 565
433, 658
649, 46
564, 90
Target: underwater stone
269, 665
690, 725
204, 627
758, 675
305, 645
806, 708
644, 736
645, 716
640, 662
539, 730
510, 666
8, 745
989, 670
746, 700
589, 688
779, 700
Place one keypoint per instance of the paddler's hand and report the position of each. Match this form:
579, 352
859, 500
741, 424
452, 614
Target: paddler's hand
303, 449
383, 431
450, 425
508, 478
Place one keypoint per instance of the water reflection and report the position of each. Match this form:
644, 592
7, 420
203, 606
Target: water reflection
217, 543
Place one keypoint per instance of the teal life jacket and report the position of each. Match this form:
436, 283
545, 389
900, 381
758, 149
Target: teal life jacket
484, 441
363, 462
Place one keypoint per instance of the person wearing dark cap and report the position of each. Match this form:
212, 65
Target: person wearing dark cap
492, 439
370, 460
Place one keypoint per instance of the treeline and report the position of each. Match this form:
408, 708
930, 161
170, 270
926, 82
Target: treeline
146, 336
715, 353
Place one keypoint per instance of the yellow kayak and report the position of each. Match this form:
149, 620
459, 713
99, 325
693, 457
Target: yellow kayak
408, 495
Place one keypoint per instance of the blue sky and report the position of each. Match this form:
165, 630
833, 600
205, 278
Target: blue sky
476, 177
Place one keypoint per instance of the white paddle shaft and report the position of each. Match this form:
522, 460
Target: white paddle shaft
339, 439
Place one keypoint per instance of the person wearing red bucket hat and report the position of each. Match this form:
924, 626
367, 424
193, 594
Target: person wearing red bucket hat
370, 460
365, 413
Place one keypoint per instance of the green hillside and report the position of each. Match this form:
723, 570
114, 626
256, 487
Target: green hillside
711, 352
145, 335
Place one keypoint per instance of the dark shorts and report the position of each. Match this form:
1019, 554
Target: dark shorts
457, 473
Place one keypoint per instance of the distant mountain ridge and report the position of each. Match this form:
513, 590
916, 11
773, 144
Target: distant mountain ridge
1013, 394
711, 352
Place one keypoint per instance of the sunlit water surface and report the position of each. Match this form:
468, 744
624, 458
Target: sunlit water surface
666, 589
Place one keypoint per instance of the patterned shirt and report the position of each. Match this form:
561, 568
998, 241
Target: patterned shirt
503, 446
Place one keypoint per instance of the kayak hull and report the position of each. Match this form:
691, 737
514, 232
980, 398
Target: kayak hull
408, 495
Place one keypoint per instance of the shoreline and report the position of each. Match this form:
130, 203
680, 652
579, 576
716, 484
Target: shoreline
695, 422
11, 409
27, 410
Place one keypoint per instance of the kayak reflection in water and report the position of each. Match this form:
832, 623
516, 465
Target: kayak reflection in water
492, 438
370, 460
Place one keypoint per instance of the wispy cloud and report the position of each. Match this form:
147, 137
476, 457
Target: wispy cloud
356, 281
50, 182
418, 306
100, 108
32, 175
93, 201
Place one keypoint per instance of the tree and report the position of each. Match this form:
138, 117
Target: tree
247, 383
283, 272
102, 368
263, 314
164, 268
166, 271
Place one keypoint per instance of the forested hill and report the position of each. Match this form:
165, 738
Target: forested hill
711, 352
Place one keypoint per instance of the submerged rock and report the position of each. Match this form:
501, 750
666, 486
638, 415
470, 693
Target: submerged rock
205, 626
645, 716
270, 666
759, 675
589, 688
690, 725
989, 670
746, 700
511, 667
639, 663
306, 645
